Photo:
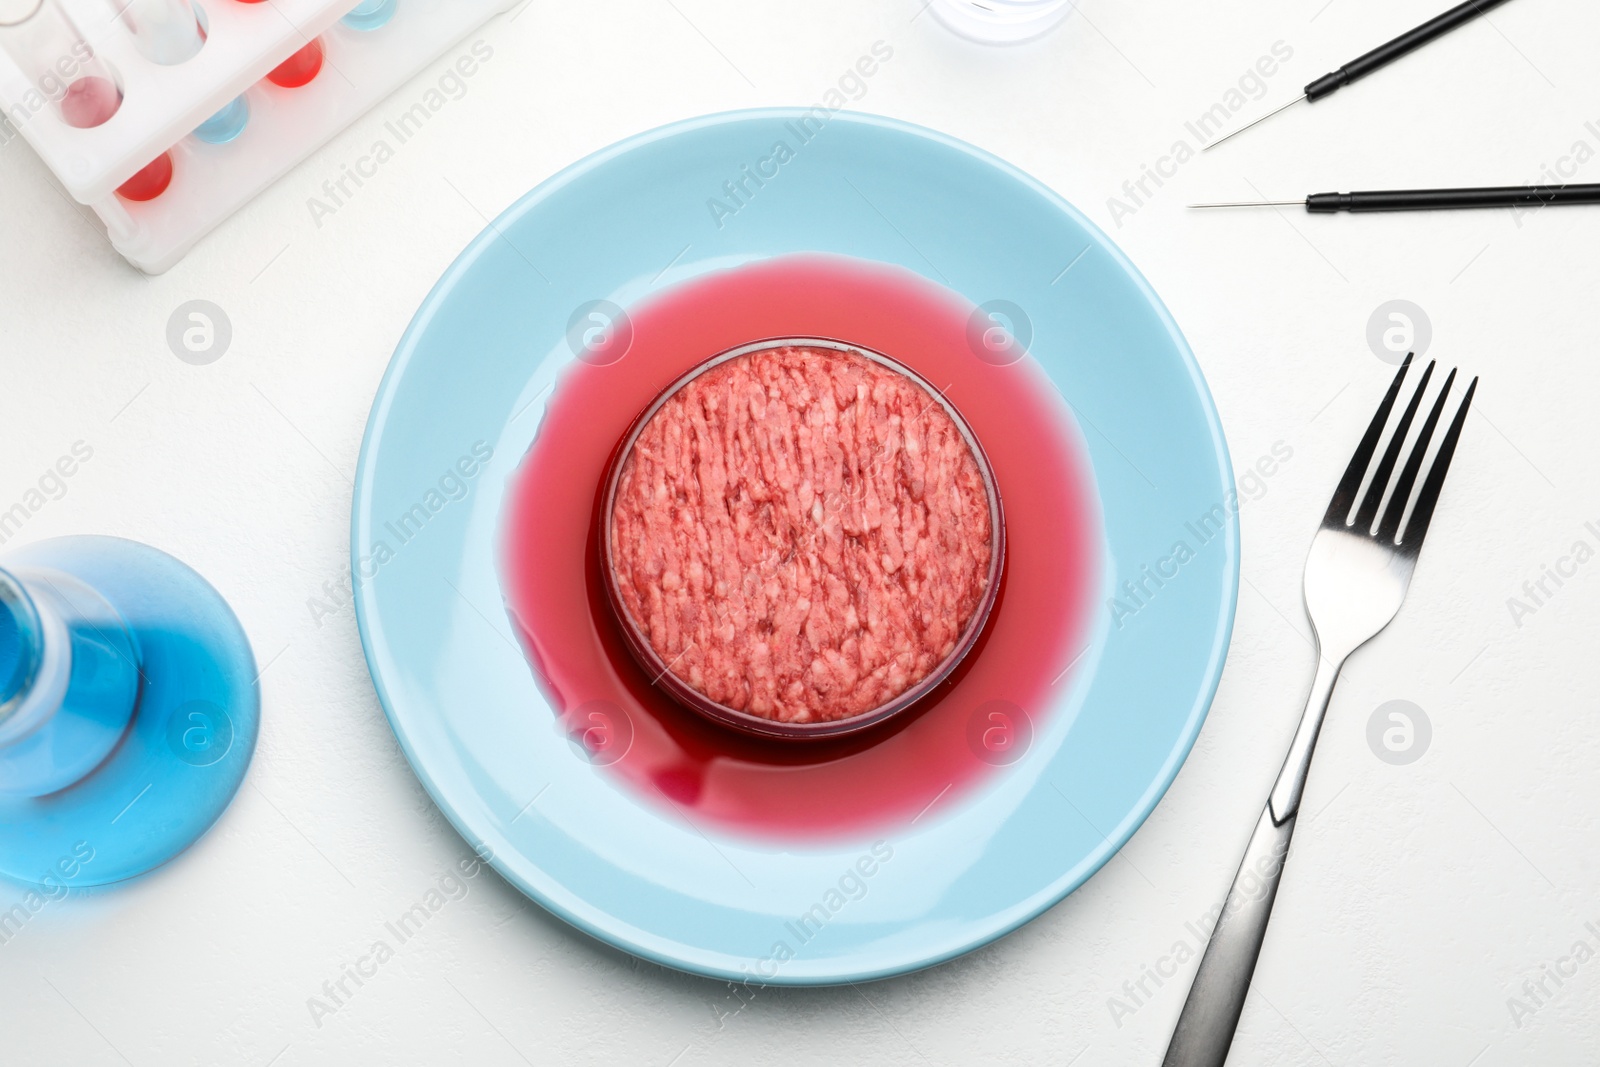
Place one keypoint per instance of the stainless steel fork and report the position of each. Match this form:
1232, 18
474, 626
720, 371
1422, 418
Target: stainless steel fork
1356, 578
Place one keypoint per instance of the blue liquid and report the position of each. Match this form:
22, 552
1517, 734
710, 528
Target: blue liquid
226, 124
78, 680
122, 758
13, 668
371, 14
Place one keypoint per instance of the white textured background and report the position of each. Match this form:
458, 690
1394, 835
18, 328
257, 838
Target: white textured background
1420, 898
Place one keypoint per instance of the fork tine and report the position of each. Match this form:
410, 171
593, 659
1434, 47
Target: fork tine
1417, 527
1344, 496
1391, 455
1389, 528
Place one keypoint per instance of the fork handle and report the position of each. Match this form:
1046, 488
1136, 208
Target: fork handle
1291, 784
1211, 1014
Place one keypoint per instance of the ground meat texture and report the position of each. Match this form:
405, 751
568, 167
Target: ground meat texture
801, 534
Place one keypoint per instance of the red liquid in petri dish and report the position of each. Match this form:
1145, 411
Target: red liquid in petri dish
299, 68
974, 726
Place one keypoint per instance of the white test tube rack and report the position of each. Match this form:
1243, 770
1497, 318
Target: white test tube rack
162, 105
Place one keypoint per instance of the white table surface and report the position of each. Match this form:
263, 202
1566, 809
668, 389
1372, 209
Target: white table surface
1420, 898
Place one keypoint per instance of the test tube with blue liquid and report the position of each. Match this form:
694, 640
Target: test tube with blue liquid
170, 32
371, 14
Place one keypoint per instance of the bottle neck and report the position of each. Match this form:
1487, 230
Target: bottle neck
69, 680
39, 655
21, 647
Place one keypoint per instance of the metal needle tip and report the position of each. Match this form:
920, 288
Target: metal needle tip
1257, 122
1254, 203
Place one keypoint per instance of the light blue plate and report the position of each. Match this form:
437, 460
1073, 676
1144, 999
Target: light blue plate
472, 372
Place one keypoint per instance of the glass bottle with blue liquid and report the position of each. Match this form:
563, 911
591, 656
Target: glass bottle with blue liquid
129, 710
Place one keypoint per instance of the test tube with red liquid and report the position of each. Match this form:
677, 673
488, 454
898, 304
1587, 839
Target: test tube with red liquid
60, 64
67, 75
299, 68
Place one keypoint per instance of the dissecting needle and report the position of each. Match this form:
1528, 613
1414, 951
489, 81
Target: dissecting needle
1376, 59
1534, 196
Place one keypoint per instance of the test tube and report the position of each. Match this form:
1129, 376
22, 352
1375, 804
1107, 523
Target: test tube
150, 181
165, 31
299, 68
169, 32
59, 62
226, 124
371, 14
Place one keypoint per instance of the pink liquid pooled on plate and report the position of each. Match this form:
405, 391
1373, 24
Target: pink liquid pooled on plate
973, 726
